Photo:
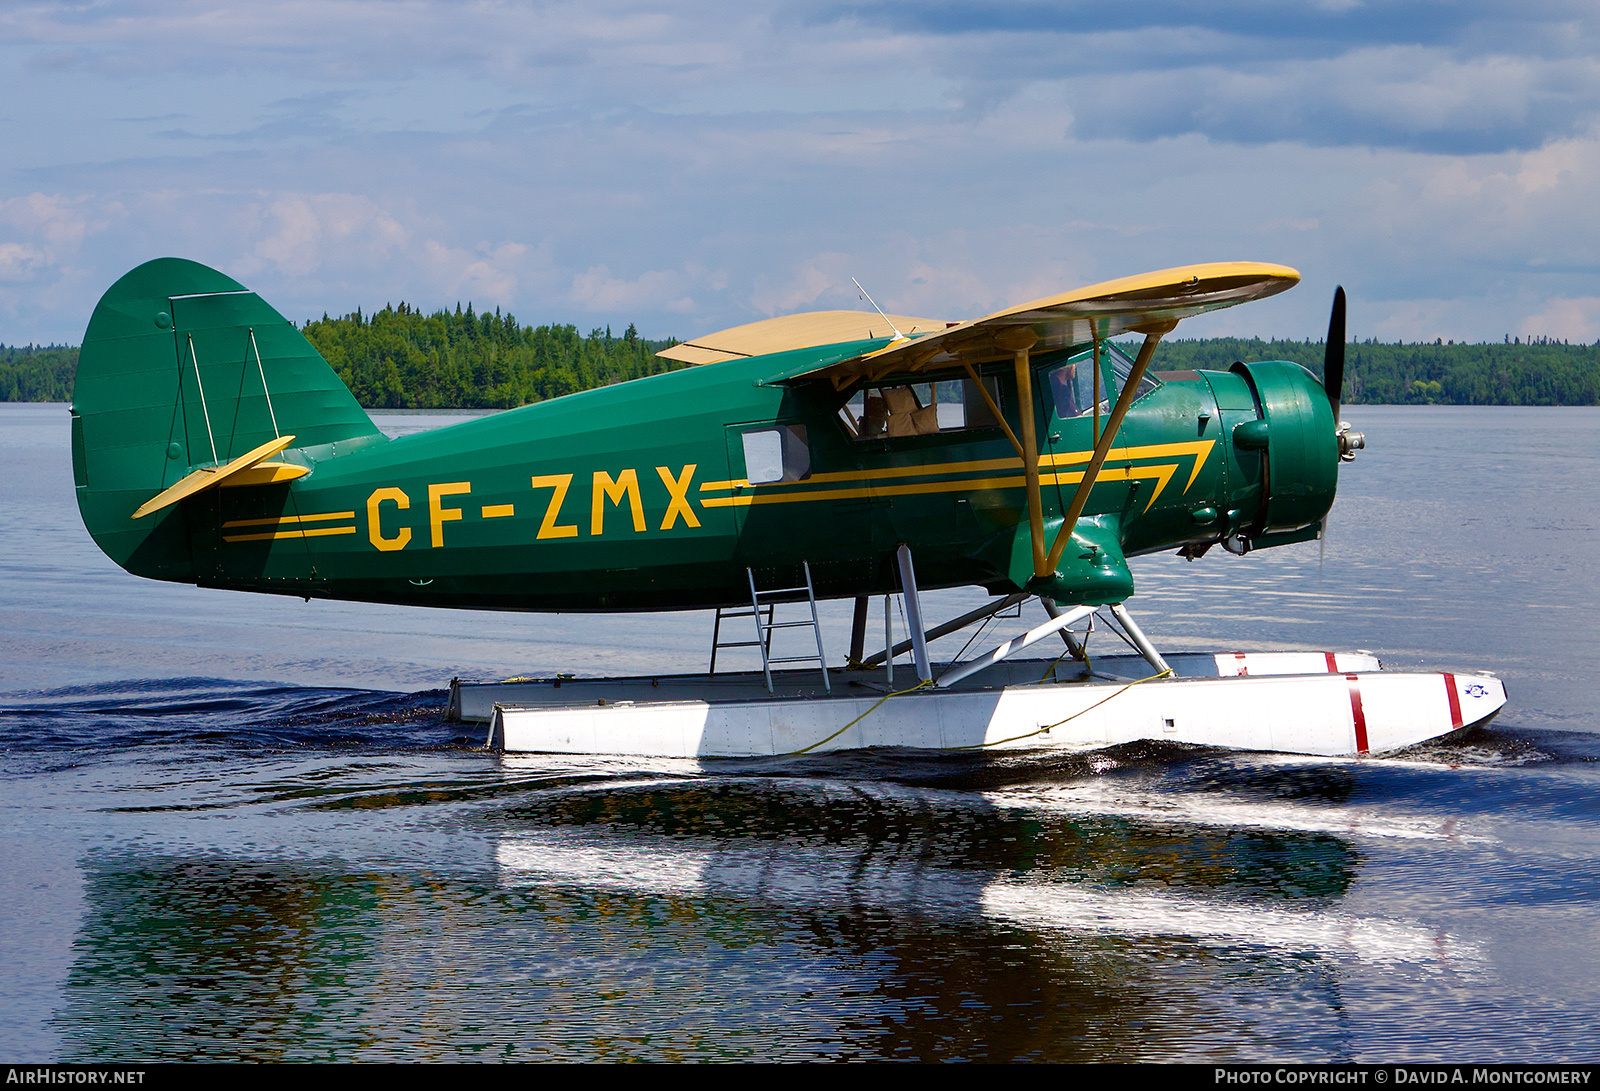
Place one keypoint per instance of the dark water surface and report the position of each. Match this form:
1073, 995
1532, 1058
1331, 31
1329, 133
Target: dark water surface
237, 827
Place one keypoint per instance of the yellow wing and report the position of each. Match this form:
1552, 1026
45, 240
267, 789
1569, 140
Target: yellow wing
1139, 304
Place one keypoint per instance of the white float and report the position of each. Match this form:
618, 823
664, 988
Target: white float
1320, 703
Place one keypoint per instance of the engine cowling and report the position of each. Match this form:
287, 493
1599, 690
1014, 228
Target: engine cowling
1296, 430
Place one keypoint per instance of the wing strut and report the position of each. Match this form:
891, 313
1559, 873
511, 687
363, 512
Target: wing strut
1018, 340
1130, 390
994, 409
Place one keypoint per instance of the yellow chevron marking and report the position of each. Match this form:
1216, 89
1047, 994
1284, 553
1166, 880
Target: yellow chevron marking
1160, 474
1199, 449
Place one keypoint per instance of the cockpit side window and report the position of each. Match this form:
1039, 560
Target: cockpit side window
1072, 383
892, 411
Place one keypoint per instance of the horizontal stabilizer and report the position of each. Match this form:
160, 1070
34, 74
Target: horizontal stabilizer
251, 468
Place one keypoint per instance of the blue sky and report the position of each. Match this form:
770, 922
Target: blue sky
607, 162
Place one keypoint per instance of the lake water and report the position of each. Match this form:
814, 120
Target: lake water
238, 827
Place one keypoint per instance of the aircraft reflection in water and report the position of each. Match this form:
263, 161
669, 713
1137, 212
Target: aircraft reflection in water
816, 909
829, 455
804, 844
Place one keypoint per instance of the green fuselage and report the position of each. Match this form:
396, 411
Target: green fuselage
638, 496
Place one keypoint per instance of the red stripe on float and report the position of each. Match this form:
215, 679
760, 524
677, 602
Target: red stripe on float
1333, 666
1359, 717
1244, 668
1455, 700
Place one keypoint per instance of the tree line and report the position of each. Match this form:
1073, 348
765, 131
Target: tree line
400, 358
1539, 371
37, 373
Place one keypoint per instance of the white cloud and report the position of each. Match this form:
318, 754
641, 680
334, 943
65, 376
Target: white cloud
688, 169
56, 223
59, 221
1524, 209
1569, 319
805, 286
658, 289
41, 236
1417, 319
19, 262
310, 229
487, 274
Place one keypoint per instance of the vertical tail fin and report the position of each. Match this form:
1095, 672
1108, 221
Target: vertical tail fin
183, 367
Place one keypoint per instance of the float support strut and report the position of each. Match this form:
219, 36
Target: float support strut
1073, 646
1140, 641
1012, 646
948, 627
908, 588
858, 631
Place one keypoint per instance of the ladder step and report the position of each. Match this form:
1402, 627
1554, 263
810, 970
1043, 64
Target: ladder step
803, 595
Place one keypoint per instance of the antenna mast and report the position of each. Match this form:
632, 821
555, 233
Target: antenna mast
898, 336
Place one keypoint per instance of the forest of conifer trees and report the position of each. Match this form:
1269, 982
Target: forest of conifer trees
399, 358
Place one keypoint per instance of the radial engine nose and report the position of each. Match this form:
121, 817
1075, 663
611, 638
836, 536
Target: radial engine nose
1350, 441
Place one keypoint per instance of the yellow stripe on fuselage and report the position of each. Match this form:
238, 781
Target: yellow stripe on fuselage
1161, 474
273, 535
286, 520
1199, 450
295, 521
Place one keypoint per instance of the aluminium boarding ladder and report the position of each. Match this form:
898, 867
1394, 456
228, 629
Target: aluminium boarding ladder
763, 605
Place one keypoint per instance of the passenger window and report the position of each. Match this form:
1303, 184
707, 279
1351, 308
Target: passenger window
918, 409
778, 454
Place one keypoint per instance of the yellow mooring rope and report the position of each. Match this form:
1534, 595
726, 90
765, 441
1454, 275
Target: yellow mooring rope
981, 745
858, 719
1069, 719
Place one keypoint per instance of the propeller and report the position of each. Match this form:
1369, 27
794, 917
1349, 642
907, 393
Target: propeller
1349, 442
1333, 379
1333, 361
